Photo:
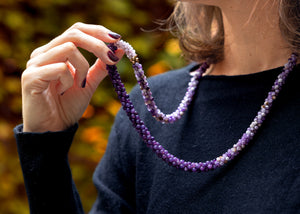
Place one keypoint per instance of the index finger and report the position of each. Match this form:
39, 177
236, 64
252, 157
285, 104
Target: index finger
97, 31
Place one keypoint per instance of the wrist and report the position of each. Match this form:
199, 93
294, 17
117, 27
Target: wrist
39, 128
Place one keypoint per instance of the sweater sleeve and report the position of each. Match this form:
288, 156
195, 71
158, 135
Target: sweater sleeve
114, 177
47, 175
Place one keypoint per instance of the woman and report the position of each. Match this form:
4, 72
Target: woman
247, 43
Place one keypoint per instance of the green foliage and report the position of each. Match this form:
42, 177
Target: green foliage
28, 24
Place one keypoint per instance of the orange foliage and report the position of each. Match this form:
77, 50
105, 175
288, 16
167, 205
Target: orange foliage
113, 107
89, 112
93, 135
26, 25
172, 47
158, 68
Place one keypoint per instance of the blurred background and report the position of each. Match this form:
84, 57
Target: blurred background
28, 24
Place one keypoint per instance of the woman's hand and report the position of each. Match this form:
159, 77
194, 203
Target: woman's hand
58, 83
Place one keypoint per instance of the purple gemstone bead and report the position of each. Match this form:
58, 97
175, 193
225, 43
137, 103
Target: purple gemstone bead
150, 140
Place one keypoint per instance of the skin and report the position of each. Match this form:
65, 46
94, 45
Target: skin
253, 41
52, 93
252, 44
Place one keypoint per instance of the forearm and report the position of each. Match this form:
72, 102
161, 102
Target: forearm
46, 171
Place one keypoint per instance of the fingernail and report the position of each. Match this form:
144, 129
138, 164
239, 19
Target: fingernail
114, 35
112, 56
83, 83
62, 93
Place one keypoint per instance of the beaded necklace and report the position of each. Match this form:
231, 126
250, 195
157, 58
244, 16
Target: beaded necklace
144, 132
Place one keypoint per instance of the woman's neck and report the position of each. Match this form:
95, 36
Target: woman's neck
253, 40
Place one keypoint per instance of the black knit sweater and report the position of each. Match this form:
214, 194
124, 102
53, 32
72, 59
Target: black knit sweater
264, 178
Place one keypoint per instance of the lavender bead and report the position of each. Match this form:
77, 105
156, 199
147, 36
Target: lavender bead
163, 153
147, 95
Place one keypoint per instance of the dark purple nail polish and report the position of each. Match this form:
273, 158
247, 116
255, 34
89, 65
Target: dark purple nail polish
114, 35
62, 93
112, 56
83, 83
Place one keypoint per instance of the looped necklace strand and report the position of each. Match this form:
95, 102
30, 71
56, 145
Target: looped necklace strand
146, 93
144, 132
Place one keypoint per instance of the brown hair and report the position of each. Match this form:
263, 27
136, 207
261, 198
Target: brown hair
201, 33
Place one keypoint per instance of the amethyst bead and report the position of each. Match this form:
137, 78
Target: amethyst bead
163, 153
147, 94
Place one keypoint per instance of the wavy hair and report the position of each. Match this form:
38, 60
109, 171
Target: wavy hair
201, 33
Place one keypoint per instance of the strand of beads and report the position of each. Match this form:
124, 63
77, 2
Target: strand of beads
147, 94
210, 164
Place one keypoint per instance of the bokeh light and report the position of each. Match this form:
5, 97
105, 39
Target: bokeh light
28, 24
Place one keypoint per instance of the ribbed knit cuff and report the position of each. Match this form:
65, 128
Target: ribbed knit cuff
46, 171
47, 143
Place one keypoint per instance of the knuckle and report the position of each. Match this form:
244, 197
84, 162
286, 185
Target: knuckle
29, 63
73, 33
35, 52
63, 67
69, 46
67, 79
77, 25
99, 46
25, 77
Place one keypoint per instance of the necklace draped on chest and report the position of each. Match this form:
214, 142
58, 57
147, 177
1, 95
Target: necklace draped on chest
144, 132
